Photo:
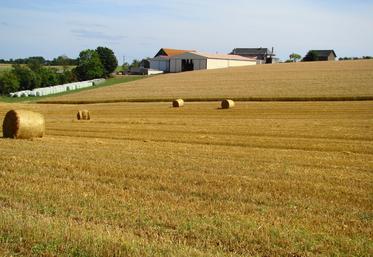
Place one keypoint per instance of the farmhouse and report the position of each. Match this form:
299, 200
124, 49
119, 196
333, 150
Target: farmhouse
263, 55
204, 61
324, 55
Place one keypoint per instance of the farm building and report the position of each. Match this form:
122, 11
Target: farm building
204, 61
173, 60
263, 55
324, 55
161, 60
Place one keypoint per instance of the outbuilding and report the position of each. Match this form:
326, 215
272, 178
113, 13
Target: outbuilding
323, 55
204, 61
161, 60
263, 55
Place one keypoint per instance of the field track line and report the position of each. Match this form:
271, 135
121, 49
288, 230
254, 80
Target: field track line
244, 145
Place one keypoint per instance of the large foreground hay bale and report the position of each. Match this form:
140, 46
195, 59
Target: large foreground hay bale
227, 103
23, 124
178, 103
83, 115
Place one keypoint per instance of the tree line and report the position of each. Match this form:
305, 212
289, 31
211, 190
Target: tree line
34, 72
62, 60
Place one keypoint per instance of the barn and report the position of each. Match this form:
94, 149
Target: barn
190, 61
263, 55
324, 55
161, 60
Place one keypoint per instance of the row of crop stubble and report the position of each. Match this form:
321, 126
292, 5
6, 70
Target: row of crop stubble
148, 179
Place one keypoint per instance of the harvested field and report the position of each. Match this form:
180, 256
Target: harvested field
5, 67
146, 179
294, 80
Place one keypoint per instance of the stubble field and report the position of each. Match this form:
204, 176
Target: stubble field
144, 179
293, 80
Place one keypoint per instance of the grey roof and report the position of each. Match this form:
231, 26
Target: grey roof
252, 51
323, 53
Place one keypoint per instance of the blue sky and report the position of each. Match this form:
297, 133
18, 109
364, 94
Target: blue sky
137, 29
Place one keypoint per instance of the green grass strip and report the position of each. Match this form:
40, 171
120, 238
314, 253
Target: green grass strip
108, 82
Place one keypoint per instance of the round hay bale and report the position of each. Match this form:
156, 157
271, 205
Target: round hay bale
83, 115
227, 103
23, 124
178, 103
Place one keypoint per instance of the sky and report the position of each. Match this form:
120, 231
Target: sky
139, 28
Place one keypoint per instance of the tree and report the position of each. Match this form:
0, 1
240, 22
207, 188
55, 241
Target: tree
89, 65
125, 66
27, 78
311, 56
8, 83
48, 77
108, 59
34, 64
67, 76
39, 59
295, 57
135, 63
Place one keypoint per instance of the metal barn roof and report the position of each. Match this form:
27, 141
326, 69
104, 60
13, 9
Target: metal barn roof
252, 51
323, 53
171, 52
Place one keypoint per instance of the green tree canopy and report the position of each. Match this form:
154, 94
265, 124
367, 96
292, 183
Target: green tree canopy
89, 65
27, 78
108, 59
34, 64
311, 56
135, 63
48, 77
295, 57
8, 83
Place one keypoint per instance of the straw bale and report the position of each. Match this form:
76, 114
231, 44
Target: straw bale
227, 103
23, 124
83, 115
178, 103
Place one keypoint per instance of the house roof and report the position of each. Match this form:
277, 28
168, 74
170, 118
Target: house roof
220, 56
252, 51
171, 52
324, 53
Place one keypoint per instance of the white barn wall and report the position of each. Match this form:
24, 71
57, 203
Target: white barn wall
208, 61
236, 63
219, 64
199, 62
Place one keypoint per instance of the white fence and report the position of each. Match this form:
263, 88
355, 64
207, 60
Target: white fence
43, 91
